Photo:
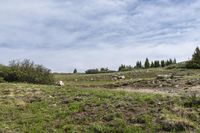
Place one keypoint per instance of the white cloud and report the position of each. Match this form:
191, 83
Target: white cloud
86, 34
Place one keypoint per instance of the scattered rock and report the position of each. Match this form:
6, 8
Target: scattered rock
118, 77
60, 83
122, 77
65, 101
20, 103
177, 86
78, 98
164, 76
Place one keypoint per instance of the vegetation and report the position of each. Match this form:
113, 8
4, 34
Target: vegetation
42, 108
147, 64
75, 71
195, 61
131, 100
26, 71
125, 68
96, 71
138, 64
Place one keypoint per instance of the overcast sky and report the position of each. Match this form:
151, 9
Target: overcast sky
82, 34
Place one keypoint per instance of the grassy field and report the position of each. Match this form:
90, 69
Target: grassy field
99, 104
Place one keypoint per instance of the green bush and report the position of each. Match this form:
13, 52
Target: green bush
27, 71
97, 71
2, 80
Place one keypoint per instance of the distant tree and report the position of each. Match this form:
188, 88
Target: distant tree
104, 69
75, 70
92, 71
122, 67
167, 62
170, 61
162, 63
147, 64
157, 63
174, 61
152, 64
195, 61
138, 64
125, 68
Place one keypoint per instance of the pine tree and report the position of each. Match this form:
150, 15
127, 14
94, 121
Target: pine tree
152, 64
122, 67
75, 70
195, 62
196, 56
162, 63
157, 63
174, 61
147, 64
138, 64
170, 61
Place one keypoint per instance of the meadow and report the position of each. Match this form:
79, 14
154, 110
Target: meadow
99, 103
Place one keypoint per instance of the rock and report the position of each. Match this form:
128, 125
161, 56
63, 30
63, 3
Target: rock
164, 76
20, 103
78, 98
65, 101
176, 86
121, 77
159, 103
116, 77
61, 83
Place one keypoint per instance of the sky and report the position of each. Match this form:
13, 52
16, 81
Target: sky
83, 34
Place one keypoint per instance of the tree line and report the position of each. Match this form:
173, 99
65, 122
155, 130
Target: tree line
147, 64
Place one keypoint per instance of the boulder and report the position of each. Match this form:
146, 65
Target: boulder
164, 76
121, 77
116, 77
61, 83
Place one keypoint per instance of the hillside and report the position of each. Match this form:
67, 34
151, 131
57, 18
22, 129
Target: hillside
145, 101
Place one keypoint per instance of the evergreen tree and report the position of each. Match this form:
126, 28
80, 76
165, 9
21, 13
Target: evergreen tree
170, 61
157, 63
122, 67
147, 64
167, 63
196, 56
162, 63
195, 62
174, 61
75, 70
138, 64
152, 64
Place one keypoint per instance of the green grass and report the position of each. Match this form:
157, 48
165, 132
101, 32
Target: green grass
39, 108
106, 80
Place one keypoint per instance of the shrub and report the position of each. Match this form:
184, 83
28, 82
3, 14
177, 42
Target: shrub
92, 71
27, 71
1, 80
125, 68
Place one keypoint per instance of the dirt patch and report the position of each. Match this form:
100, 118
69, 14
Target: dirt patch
164, 91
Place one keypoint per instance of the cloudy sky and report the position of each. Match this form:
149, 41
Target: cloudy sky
68, 34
